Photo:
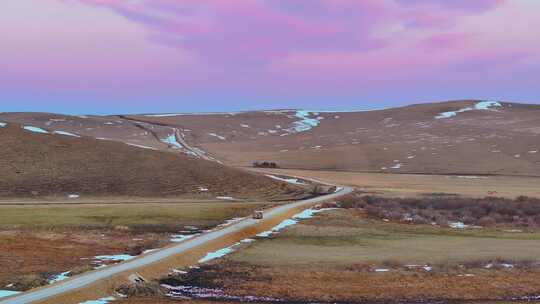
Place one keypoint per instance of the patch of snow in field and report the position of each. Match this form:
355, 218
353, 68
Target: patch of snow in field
227, 198
396, 166
306, 214
231, 221
35, 129
115, 258
177, 271
3, 124
100, 301
272, 131
74, 196
171, 140
287, 180
458, 225
244, 126
517, 156
471, 177
218, 253
244, 241
203, 189
176, 238
216, 135
149, 251
59, 277
382, 270
109, 123
305, 123
482, 105
66, 133
141, 146
533, 151
7, 293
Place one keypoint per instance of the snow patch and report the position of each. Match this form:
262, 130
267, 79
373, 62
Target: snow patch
59, 277
74, 196
396, 166
35, 129
100, 301
114, 258
141, 146
287, 180
482, 105
216, 135
3, 124
458, 225
171, 141
306, 214
176, 238
227, 198
66, 133
305, 123
218, 253
382, 270
244, 126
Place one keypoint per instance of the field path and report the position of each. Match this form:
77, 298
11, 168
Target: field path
84, 280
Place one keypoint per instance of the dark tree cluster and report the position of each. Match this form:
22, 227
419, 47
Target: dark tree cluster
265, 164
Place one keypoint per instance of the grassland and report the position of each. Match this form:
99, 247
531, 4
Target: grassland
334, 257
164, 216
38, 241
339, 237
407, 185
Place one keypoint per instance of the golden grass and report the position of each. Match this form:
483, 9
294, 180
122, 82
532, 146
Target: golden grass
109, 216
418, 184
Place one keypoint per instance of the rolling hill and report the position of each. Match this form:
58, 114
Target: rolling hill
44, 163
456, 137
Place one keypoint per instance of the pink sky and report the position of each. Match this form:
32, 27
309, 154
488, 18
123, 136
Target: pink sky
199, 55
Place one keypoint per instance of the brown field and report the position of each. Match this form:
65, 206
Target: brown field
332, 257
407, 185
38, 241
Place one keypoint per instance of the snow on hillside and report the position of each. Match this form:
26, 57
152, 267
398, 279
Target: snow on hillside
482, 105
66, 133
35, 129
306, 122
171, 141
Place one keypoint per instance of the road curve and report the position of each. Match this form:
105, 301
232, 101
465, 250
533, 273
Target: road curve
86, 279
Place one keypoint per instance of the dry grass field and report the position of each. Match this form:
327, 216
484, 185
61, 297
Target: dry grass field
407, 185
340, 256
38, 241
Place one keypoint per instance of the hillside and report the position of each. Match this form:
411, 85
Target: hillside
457, 137
38, 164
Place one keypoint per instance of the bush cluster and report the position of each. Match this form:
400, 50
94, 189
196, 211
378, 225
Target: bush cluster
523, 212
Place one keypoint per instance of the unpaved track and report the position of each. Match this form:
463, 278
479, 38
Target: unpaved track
86, 279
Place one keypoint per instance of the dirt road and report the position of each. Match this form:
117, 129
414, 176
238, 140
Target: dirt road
86, 279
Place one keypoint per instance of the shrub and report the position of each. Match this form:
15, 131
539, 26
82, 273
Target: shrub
490, 211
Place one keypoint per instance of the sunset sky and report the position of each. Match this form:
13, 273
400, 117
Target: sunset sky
141, 56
